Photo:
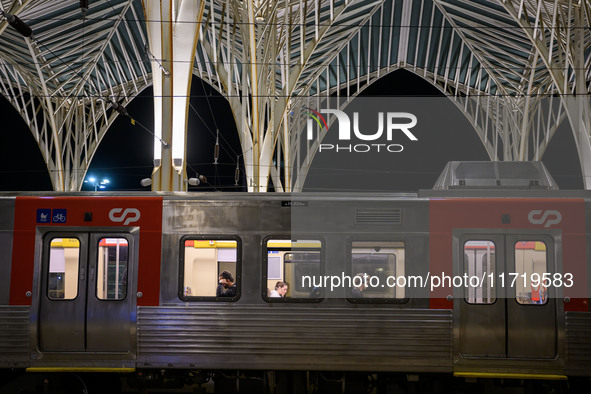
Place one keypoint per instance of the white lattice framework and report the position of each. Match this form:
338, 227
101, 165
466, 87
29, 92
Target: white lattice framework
63, 80
516, 69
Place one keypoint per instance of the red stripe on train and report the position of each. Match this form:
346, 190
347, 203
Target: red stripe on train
67, 212
523, 214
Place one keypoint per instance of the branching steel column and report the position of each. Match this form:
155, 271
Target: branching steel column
255, 94
173, 30
265, 51
562, 57
578, 106
57, 177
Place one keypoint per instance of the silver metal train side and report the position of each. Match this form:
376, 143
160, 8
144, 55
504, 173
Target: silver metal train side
153, 325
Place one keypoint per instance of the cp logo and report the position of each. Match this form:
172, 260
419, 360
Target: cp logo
130, 215
547, 218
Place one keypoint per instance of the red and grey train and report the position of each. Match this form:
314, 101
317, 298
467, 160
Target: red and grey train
472, 283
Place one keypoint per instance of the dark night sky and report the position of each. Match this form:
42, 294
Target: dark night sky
125, 154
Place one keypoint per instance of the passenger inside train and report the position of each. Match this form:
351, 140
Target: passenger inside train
226, 286
360, 285
280, 289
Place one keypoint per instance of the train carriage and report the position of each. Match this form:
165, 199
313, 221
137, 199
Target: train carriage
129, 283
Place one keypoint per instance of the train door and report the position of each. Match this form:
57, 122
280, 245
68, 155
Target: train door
85, 297
507, 312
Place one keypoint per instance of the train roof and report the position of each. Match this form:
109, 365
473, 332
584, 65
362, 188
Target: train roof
506, 175
459, 179
305, 196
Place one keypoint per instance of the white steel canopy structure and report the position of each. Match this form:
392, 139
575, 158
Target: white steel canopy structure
516, 69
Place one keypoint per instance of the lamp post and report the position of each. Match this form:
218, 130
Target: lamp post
97, 184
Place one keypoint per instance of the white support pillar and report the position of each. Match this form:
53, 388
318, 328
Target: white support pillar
257, 139
173, 30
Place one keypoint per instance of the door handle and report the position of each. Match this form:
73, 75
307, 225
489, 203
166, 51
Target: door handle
91, 274
82, 273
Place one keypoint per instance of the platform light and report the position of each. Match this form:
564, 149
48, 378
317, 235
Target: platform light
96, 184
197, 180
119, 108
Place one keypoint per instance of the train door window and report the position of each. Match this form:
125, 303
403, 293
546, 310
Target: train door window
479, 261
64, 262
374, 269
289, 269
531, 272
111, 283
210, 268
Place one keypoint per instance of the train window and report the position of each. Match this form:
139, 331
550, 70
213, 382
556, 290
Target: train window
531, 271
64, 260
479, 260
374, 264
210, 268
288, 262
111, 280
